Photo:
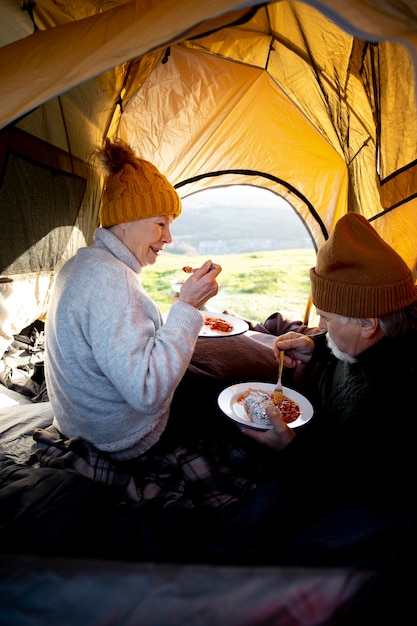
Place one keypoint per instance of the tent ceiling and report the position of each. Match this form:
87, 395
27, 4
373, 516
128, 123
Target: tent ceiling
313, 100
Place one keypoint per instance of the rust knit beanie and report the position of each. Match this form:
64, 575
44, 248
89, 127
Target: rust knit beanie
357, 274
134, 188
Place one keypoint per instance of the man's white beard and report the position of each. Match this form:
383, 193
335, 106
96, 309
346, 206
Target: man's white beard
342, 356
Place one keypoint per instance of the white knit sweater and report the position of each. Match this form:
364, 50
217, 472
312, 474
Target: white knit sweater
111, 366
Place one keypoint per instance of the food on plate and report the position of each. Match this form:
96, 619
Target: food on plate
258, 401
256, 404
218, 323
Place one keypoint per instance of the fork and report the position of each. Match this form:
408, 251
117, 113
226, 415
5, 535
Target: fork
278, 391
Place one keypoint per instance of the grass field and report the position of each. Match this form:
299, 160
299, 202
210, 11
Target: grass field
252, 284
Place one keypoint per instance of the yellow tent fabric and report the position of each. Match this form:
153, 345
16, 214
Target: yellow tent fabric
314, 101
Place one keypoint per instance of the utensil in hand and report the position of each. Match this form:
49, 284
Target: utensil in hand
190, 270
278, 391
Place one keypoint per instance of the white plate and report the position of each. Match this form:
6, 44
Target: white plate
239, 326
228, 403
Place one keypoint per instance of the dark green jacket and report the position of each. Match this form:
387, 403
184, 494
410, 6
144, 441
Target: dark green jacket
361, 444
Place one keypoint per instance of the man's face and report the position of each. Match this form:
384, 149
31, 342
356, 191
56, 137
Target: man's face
344, 337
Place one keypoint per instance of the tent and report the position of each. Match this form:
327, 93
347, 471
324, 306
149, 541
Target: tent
314, 101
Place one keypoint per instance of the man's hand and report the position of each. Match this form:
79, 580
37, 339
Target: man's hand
278, 437
298, 348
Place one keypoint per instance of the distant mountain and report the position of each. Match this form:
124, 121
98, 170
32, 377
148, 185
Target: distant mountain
213, 224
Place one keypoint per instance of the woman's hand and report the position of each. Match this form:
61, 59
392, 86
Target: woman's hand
201, 285
298, 348
277, 437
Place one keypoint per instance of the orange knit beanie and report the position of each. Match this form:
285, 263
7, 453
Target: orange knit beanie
357, 274
134, 188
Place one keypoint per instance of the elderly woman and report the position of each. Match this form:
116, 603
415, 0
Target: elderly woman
111, 365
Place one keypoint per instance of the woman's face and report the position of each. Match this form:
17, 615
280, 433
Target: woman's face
145, 238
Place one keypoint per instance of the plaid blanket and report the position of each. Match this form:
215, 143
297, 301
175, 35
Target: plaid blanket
207, 474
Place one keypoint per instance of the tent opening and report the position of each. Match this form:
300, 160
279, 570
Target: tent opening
261, 243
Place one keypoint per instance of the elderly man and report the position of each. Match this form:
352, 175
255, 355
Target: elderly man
360, 374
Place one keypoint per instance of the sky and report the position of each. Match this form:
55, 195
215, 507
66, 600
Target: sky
236, 195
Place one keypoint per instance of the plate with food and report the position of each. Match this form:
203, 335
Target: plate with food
222, 325
244, 403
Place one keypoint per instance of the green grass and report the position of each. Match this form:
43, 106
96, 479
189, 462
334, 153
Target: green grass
253, 285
